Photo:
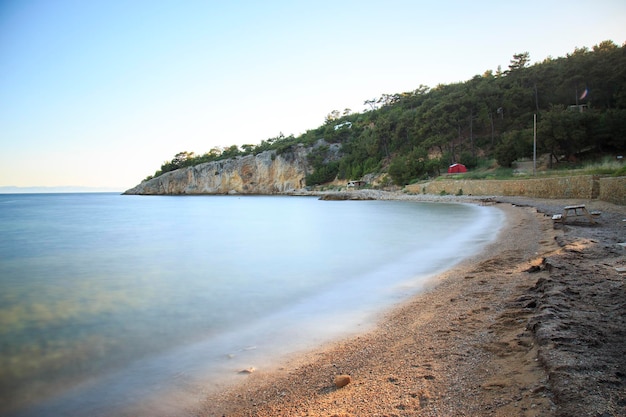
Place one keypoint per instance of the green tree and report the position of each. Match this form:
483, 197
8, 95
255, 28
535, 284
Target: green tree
415, 165
563, 131
231, 152
247, 148
323, 174
519, 61
515, 144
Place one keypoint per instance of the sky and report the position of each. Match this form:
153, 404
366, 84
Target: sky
100, 93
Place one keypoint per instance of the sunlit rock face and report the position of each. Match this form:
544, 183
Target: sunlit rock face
265, 173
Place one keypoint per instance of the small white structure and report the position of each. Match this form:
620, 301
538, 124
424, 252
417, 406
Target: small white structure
356, 184
340, 125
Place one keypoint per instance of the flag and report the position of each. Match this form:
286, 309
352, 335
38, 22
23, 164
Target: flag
584, 94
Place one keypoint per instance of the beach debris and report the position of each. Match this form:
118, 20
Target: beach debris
342, 380
621, 269
247, 371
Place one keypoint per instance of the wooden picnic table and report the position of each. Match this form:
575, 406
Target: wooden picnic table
573, 211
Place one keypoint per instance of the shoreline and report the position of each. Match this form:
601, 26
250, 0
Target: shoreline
465, 346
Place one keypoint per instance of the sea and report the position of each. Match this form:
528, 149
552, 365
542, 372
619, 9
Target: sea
115, 305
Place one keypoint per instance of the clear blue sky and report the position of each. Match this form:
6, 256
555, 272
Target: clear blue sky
101, 93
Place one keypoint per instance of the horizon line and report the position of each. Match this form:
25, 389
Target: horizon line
37, 189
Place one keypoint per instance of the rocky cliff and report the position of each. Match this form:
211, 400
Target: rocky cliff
265, 173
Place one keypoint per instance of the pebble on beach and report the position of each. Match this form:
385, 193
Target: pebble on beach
342, 380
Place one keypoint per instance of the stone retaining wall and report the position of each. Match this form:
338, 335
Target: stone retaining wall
611, 189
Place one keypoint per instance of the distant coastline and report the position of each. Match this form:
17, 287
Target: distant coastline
61, 189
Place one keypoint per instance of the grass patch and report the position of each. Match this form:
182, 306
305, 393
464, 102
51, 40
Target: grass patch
490, 174
609, 167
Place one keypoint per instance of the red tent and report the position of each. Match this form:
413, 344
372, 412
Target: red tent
456, 168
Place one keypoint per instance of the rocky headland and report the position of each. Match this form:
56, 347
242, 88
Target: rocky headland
265, 173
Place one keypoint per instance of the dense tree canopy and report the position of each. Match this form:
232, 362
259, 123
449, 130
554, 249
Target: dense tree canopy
579, 100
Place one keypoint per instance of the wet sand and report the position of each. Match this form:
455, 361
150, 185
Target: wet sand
503, 334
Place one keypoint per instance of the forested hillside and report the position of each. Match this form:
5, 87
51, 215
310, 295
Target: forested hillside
579, 100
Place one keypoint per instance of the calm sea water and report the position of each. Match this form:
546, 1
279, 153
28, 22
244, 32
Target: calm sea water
128, 305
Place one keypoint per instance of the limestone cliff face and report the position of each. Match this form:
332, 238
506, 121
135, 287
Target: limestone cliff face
265, 173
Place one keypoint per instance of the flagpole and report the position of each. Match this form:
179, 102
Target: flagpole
535, 144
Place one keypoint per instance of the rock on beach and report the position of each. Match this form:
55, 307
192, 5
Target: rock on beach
342, 380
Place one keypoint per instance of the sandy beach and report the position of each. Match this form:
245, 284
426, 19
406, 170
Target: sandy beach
534, 326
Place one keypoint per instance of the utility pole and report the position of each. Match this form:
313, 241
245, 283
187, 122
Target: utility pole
535, 144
